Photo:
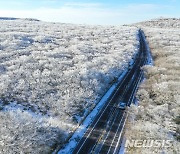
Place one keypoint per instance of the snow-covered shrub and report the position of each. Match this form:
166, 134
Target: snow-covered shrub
60, 70
23, 132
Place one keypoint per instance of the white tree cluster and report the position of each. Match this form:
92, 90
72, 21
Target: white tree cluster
22, 132
57, 72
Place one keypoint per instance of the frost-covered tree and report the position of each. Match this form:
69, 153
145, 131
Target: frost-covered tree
58, 71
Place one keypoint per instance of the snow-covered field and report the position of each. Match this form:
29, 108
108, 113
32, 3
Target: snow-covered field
52, 75
158, 114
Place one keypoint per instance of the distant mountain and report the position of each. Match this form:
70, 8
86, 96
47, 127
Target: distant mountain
11, 18
161, 23
8, 18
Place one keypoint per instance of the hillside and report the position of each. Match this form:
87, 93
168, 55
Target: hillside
161, 23
52, 75
24, 19
157, 116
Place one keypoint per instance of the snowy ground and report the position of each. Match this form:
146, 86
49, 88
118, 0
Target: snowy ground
158, 115
52, 75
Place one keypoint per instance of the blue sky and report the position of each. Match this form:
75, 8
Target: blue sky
104, 12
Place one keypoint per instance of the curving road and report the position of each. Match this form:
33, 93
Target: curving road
104, 135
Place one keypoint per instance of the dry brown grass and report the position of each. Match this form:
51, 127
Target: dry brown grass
158, 112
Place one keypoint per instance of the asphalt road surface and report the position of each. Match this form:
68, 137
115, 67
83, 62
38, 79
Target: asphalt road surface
104, 135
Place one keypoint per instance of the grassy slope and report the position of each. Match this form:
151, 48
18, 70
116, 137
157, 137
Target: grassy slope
158, 113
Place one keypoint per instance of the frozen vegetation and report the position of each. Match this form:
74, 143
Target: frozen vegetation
157, 116
52, 75
161, 23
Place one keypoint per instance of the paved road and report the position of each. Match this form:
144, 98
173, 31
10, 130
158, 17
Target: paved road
105, 133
